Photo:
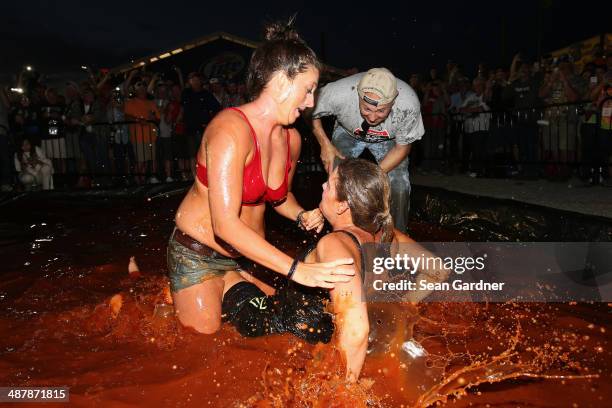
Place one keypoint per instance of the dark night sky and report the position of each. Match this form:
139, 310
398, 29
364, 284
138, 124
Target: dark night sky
409, 36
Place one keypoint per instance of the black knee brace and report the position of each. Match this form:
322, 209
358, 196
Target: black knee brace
252, 312
304, 313
291, 310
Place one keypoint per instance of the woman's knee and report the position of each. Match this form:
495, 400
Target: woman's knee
202, 321
199, 306
199, 324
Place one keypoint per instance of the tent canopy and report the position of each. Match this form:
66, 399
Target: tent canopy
219, 54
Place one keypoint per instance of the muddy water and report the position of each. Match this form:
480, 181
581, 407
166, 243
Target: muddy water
70, 314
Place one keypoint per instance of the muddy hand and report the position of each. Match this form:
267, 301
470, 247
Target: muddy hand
328, 156
325, 274
312, 220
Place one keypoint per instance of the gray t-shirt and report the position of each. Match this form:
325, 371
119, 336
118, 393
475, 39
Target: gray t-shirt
340, 99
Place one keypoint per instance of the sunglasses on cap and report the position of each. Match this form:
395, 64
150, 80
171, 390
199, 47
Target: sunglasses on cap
369, 100
365, 126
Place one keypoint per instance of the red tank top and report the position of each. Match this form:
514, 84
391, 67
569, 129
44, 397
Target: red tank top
254, 189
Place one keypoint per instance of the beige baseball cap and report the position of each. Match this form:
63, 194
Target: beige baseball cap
381, 82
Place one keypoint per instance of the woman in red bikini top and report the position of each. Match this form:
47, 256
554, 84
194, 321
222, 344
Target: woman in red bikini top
248, 157
254, 188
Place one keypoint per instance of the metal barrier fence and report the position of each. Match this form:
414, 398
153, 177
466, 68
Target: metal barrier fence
565, 135
105, 149
136, 149
553, 136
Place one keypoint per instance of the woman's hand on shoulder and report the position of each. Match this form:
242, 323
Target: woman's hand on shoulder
324, 274
335, 265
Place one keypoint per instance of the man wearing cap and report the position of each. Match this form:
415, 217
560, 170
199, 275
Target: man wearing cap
376, 111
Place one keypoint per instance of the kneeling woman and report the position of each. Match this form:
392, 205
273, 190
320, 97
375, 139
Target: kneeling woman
355, 201
248, 157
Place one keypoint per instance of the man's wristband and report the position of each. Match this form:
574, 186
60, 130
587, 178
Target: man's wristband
293, 268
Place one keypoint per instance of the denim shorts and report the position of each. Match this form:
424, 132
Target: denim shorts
187, 267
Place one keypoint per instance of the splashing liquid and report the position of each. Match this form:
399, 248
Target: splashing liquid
60, 328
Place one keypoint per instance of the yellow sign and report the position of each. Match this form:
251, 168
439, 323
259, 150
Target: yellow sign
583, 52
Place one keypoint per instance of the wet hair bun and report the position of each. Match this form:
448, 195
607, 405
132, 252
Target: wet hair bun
283, 51
281, 31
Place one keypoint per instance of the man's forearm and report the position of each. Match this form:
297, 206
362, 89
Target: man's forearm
319, 132
328, 151
394, 157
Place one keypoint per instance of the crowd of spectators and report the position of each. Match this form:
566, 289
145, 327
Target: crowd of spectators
532, 119
138, 128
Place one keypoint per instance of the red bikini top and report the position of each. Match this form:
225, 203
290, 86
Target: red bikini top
254, 189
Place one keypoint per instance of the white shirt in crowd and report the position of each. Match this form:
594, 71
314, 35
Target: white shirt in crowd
475, 122
39, 171
165, 127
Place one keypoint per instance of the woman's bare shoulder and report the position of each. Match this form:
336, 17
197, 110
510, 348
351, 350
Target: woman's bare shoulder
333, 246
228, 122
228, 132
401, 237
293, 133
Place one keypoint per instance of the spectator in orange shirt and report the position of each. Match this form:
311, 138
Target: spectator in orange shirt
143, 134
